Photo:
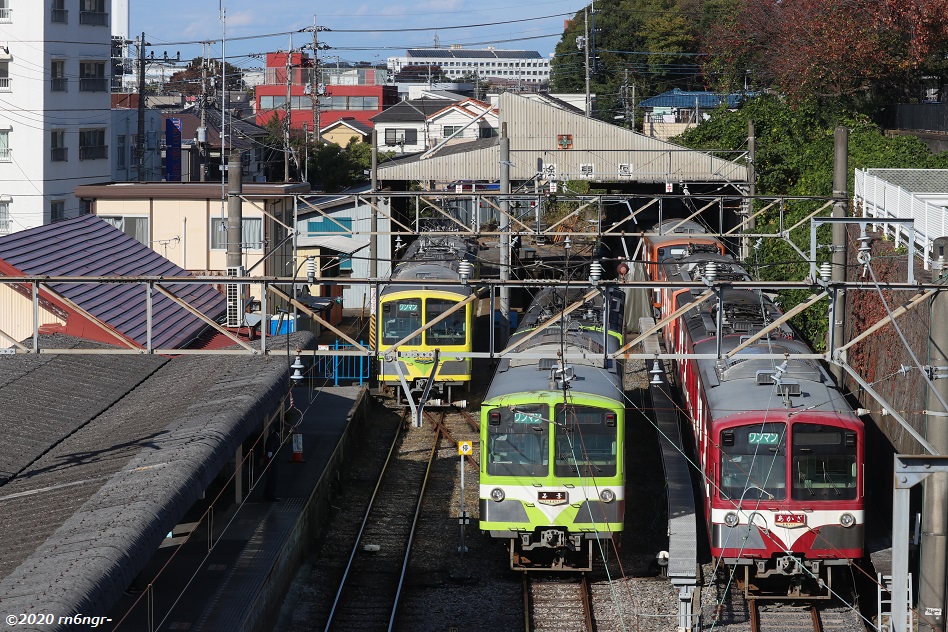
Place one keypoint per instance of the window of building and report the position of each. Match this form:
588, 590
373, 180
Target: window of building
5, 155
451, 129
6, 13
325, 226
92, 76
5, 76
59, 13
57, 146
252, 231
92, 144
93, 12
57, 210
401, 137
133, 226
6, 223
121, 149
57, 73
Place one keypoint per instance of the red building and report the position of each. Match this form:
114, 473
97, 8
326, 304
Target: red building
359, 93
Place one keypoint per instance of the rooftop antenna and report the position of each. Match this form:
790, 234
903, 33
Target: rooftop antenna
437, 42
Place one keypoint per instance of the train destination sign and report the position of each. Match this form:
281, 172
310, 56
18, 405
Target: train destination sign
763, 438
552, 498
789, 520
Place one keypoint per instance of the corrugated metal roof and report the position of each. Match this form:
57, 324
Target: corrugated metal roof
339, 243
536, 130
90, 246
681, 99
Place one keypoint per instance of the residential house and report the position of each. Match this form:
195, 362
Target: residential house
467, 120
345, 130
204, 148
404, 128
126, 166
111, 313
55, 63
671, 113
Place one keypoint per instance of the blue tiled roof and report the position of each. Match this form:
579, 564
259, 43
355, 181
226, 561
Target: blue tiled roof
681, 99
90, 246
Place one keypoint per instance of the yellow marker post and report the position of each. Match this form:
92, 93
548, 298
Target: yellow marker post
465, 448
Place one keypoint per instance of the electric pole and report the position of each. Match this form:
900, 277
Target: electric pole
202, 140
586, 50
286, 115
140, 142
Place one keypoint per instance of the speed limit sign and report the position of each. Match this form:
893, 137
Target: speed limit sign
465, 448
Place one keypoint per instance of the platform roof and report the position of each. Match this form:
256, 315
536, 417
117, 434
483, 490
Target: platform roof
84, 513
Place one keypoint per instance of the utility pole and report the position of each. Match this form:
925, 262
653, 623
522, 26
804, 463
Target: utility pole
286, 116
625, 98
234, 211
202, 142
751, 187
586, 50
314, 82
504, 226
140, 142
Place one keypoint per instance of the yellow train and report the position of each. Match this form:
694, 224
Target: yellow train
415, 319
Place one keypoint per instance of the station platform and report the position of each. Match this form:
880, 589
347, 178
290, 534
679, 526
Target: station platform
229, 569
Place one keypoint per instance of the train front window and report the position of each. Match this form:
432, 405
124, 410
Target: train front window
586, 440
824, 463
754, 462
400, 318
518, 441
449, 331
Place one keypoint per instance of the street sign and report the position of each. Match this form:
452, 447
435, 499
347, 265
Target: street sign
465, 448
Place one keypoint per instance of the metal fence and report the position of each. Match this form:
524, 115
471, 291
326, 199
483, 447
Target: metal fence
930, 117
342, 368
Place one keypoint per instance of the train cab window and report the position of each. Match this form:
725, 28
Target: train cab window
400, 318
586, 441
518, 444
451, 330
754, 462
824, 463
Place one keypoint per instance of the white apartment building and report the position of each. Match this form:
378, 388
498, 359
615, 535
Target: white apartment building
55, 119
510, 66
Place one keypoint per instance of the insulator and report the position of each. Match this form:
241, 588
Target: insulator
826, 271
711, 272
595, 271
464, 269
310, 269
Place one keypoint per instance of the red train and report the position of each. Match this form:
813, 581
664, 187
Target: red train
781, 451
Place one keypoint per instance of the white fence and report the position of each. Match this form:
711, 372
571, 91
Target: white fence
881, 199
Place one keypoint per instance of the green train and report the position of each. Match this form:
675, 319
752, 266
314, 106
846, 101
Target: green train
552, 479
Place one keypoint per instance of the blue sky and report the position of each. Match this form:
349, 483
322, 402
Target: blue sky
255, 27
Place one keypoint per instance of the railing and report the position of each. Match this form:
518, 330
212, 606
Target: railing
6, 14
6, 84
59, 84
93, 84
93, 152
341, 368
95, 18
59, 154
6, 154
59, 16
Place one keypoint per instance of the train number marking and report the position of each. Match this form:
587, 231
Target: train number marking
763, 438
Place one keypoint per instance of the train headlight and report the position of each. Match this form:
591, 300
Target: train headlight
607, 495
497, 494
731, 519
847, 520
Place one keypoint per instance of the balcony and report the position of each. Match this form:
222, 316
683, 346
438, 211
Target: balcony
6, 15
94, 18
59, 16
59, 154
6, 154
59, 84
93, 152
6, 84
93, 84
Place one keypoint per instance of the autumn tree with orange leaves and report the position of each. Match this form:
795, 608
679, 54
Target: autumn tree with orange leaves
836, 49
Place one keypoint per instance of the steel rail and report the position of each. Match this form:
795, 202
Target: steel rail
365, 519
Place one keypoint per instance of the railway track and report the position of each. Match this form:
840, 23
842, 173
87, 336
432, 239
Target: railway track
784, 617
368, 594
560, 604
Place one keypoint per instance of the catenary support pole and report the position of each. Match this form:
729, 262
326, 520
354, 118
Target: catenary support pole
931, 584
751, 189
504, 226
841, 195
234, 210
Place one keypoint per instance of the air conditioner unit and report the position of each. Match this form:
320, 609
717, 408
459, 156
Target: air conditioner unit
235, 298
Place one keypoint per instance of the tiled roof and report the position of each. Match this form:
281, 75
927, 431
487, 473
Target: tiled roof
90, 246
81, 520
681, 99
915, 180
411, 111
